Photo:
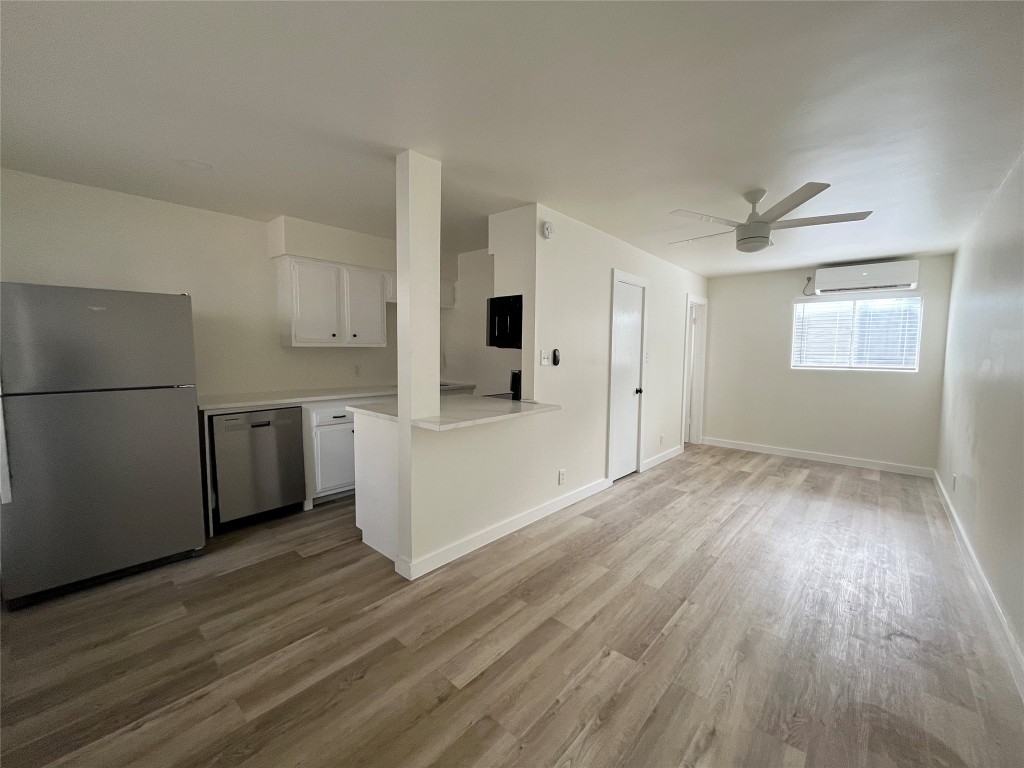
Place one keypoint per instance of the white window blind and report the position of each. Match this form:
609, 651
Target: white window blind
877, 334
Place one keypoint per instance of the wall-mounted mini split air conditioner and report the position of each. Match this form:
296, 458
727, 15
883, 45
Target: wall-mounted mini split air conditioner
884, 276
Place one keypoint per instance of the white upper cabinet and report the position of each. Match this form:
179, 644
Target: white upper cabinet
325, 304
316, 300
364, 307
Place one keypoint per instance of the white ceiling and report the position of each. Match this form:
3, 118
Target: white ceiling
612, 113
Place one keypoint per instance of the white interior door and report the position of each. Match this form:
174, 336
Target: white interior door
690, 323
626, 379
696, 344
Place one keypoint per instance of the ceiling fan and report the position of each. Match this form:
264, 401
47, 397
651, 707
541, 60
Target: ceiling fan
754, 234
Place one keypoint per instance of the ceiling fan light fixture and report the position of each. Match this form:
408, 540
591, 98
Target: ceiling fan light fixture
754, 236
752, 244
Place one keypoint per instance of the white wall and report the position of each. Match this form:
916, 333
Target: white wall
58, 233
982, 435
753, 396
465, 355
574, 300
508, 469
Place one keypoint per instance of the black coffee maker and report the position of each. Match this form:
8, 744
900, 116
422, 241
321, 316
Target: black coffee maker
515, 383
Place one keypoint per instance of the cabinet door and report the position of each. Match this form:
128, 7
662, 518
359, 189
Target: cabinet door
364, 306
334, 446
317, 296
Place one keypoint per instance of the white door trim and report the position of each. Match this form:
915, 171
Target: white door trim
619, 276
698, 361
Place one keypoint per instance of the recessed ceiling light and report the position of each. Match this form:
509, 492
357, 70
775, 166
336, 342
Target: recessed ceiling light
195, 165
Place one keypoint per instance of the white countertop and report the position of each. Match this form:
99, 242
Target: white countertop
291, 396
458, 411
298, 396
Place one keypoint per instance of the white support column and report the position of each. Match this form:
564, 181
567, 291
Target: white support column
418, 241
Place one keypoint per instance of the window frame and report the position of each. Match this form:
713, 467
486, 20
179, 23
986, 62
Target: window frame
858, 296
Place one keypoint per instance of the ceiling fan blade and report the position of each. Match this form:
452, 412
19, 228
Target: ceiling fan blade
702, 237
705, 217
814, 220
794, 201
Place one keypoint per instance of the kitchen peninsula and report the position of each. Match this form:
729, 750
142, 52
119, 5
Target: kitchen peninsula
444, 444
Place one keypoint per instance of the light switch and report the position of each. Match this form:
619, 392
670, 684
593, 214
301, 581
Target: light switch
545, 357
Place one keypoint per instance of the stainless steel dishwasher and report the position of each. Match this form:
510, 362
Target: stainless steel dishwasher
257, 461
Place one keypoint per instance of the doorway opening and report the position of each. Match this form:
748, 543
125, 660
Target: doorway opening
693, 377
628, 357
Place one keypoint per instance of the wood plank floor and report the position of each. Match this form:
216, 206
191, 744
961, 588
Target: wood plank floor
723, 609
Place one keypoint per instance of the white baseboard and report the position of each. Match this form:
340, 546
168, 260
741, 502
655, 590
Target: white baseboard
404, 568
1016, 660
437, 558
828, 458
654, 461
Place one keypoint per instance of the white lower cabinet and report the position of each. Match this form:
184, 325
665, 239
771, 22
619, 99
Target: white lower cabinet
334, 454
329, 448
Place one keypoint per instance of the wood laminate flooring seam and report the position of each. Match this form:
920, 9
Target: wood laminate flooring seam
724, 608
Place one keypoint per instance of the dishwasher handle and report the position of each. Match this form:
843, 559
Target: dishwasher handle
256, 424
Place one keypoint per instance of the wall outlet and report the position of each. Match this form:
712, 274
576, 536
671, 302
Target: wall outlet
356, 370
561, 477
545, 357
954, 481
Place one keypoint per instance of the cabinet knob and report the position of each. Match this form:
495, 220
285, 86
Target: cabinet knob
354, 335
333, 335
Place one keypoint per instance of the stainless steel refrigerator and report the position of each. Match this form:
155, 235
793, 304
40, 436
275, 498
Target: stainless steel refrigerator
102, 432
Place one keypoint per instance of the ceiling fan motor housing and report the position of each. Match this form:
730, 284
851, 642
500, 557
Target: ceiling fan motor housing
753, 236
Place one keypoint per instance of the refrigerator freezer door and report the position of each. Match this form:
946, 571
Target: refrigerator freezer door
57, 339
99, 481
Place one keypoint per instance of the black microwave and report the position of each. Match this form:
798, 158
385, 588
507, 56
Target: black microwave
505, 322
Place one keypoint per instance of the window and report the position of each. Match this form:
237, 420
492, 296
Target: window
872, 334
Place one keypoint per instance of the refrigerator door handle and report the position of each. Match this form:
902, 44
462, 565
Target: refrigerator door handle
5, 466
